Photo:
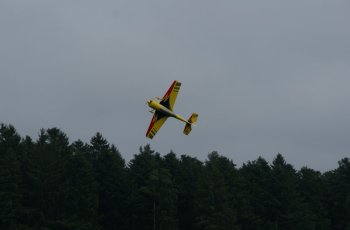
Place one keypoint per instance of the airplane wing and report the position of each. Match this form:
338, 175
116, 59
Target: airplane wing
156, 123
170, 97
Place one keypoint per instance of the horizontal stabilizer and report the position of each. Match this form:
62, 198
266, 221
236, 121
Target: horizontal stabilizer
191, 121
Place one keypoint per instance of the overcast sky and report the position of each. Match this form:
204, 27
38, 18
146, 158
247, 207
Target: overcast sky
264, 76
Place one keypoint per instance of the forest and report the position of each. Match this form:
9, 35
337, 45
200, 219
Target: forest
50, 183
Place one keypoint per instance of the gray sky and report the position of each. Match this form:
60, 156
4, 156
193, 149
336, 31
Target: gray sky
264, 76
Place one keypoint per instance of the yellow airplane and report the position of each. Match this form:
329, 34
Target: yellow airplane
163, 109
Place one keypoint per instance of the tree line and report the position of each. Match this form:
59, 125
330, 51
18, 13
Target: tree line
50, 183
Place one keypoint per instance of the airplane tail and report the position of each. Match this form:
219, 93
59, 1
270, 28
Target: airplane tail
191, 121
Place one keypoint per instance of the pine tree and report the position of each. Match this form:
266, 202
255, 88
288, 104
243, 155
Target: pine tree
191, 176
111, 182
10, 178
80, 190
153, 195
311, 188
288, 211
337, 195
215, 199
256, 198
45, 179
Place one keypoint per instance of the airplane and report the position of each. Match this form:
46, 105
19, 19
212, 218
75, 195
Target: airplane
162, 109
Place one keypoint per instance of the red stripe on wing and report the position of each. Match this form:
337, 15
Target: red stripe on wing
169, 90
153, 121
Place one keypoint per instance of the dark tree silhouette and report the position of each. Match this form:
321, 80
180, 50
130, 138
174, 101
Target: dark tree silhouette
52, 184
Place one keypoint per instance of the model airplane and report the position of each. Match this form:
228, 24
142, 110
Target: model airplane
163, 109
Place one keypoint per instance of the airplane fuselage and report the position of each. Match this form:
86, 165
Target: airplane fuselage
164, 110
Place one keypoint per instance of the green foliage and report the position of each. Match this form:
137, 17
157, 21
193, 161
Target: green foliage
257, 201
310, 186
189, 183
52, 184
9, 190
111, 183
10, 179
153, 192
337, 195
215, 201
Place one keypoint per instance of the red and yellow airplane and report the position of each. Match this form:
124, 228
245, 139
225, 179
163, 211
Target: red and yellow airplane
163, 109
